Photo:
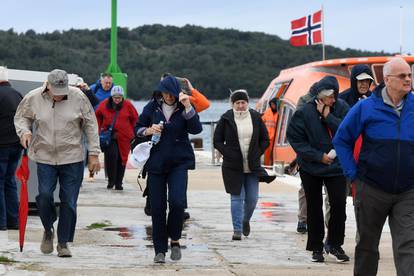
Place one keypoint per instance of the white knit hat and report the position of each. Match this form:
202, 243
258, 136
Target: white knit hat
117, 91
4, 74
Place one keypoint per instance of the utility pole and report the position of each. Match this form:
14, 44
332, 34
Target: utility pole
113, 68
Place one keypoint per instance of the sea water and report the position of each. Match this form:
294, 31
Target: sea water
211, 115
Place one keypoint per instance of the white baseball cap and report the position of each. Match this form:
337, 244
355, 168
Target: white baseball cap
140, 154
364, 76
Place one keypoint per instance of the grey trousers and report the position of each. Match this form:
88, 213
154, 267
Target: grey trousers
372, 207
302, 212
303, 208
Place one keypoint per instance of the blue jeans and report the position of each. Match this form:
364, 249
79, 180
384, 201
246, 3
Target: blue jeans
243, 205
70, 178
9, 203
162, 228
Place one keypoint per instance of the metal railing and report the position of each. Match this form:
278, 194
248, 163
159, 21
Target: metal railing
215, 155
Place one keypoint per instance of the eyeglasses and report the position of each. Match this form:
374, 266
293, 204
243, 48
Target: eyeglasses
402, 76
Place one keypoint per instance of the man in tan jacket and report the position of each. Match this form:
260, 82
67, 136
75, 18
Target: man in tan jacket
50, 122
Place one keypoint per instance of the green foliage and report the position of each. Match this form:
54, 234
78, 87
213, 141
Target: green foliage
6, 260
213, 59
99, 225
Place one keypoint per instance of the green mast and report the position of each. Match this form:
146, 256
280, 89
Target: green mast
113, 68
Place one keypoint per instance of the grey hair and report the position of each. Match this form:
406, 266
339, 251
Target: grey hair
386, 70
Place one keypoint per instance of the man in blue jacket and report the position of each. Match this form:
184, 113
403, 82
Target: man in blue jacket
384, 175
102, 88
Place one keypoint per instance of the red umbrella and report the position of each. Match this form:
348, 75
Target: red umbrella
23, 174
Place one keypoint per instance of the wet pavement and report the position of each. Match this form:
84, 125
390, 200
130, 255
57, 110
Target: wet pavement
123, 246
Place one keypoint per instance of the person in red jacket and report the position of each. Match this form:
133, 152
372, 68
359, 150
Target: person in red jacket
116, 155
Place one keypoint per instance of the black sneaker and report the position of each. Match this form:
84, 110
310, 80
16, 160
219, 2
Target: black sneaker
302, 227
236, 236
317, 257
338, 253
186, 215
246, 228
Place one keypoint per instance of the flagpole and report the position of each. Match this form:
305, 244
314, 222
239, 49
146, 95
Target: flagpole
401, 29
323, 34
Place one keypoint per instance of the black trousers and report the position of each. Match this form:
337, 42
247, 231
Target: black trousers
336, 188
113, 165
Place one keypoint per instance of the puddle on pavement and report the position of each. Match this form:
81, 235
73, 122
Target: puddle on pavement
138, 232
267, 204
274, 212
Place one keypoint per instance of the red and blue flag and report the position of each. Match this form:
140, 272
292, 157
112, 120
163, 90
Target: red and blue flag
307, 30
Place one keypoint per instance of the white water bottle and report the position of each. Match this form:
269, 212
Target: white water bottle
156, 137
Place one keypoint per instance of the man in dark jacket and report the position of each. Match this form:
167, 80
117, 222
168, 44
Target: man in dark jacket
385, 170
310, 134
361, 80
88, 92
10, 151
302, 212
241, 137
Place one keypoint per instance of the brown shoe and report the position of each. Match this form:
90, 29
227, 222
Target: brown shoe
46, 247
63, 250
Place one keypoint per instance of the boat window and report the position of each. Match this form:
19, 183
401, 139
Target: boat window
412, 77
278, 91
334, 70
377, 71
378, 74
286, 112
272, 95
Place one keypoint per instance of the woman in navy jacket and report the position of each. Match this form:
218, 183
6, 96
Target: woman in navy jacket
169, 162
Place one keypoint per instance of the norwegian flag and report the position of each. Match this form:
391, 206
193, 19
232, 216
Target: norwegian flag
307, 30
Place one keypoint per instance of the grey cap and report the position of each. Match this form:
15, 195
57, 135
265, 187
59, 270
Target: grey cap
58, 80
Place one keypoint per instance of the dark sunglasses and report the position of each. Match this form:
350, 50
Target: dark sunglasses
402, 76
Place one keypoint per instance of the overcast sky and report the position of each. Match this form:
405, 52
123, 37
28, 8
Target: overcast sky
367, 25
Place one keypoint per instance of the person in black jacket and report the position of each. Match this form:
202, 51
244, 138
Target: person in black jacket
83, 86
361, 80
10, 151
310, 133
241, 137
94, 102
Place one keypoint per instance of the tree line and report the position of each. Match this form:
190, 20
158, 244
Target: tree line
213, 59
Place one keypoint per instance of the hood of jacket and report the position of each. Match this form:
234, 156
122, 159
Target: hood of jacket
356, 70
327, 82
169, 85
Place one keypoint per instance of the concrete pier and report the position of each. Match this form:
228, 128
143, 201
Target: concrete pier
124, 247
